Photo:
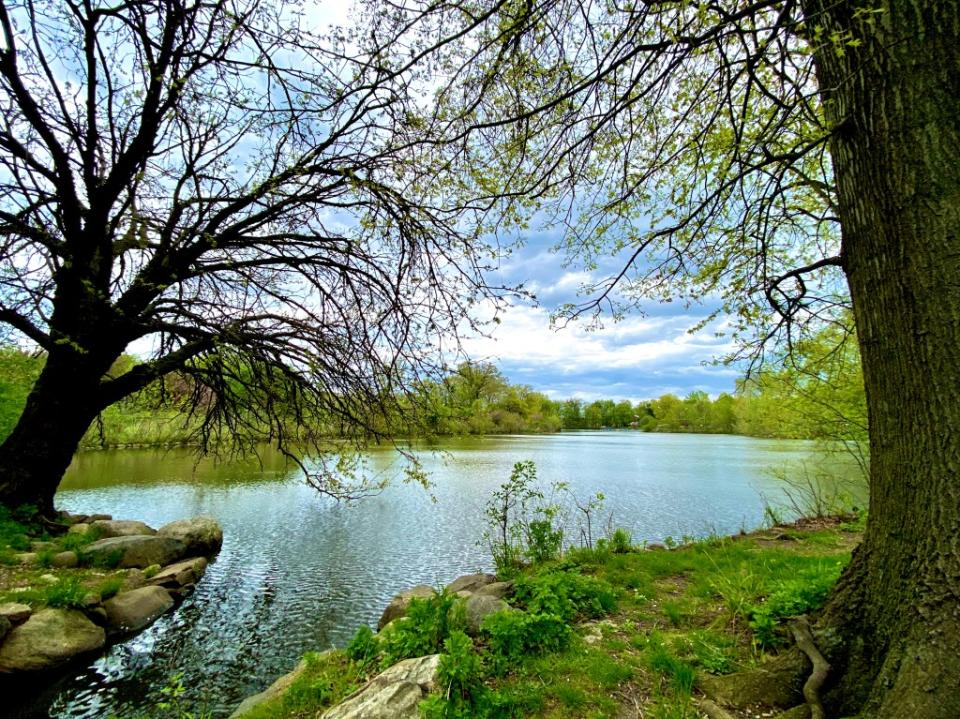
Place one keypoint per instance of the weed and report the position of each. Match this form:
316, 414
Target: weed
424, 629
513, 634
567, 595
792, 598
680, 673
676, 612
364, 646
621, 542
109, 587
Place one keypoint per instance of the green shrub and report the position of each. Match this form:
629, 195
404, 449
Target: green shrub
76, 541
621, 542
424, 629
364, 646
544, 540
567, 595
513, 634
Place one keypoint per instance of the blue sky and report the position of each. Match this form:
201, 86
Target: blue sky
647, 354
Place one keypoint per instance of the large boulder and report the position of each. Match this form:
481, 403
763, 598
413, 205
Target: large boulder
478, 608
180, 574
201, 535
107, 528
136, 551
64, 560
48, 639
400, 603
470, 583
394, 694
135, 609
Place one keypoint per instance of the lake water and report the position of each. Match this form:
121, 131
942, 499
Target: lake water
299, 572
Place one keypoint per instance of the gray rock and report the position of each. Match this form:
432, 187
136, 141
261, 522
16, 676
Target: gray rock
78, 528
65, 560
107, 528
201, 535
49, 578
180, 574
136, 551
135, 609
398, 605
48, 639
500, 590
470, 582
14, 612
394, 694
27, 559
42, 546
478, 608
99, 517
275, 690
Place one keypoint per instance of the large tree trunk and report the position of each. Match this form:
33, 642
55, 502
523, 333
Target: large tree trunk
60, 408
895, 104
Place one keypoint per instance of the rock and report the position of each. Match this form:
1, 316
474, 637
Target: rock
135, 551
470, 582
398, 605
135, 609
107, 528
42, 546
394, 694
180, 574
479, 607
14, 612
500, 590
133, 579
65, 560
276, 689
97, 615
99, 518
777, 683
27, 559
49, 578
656, 547
78, 528
202, 535
5, 626
48, 639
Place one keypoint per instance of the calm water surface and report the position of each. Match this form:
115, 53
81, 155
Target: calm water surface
299, 572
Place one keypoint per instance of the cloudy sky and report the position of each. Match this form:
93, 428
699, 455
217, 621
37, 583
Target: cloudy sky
643, 356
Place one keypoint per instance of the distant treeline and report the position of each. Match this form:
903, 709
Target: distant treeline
816, 394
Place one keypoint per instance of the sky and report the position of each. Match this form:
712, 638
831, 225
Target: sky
648, 353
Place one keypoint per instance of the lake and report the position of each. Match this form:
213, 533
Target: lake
299, 572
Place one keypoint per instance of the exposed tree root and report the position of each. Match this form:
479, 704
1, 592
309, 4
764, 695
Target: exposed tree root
714, 710
821, 668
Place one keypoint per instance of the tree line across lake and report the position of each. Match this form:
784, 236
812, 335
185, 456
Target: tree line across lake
816, 395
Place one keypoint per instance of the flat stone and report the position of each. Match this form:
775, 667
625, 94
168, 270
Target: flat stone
180, 574
15, 612
136, 551
201, 535
79, 528
48, 639
394, 694
65, 560
136, 609
49, 578
398, 605
107, 528
42, 546
470, 582
27, 559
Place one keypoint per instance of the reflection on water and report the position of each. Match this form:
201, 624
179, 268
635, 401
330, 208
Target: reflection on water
299, 572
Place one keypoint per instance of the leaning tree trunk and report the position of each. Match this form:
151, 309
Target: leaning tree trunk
894, 103
61, 406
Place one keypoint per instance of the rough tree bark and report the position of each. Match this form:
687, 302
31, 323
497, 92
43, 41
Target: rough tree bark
894, 101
